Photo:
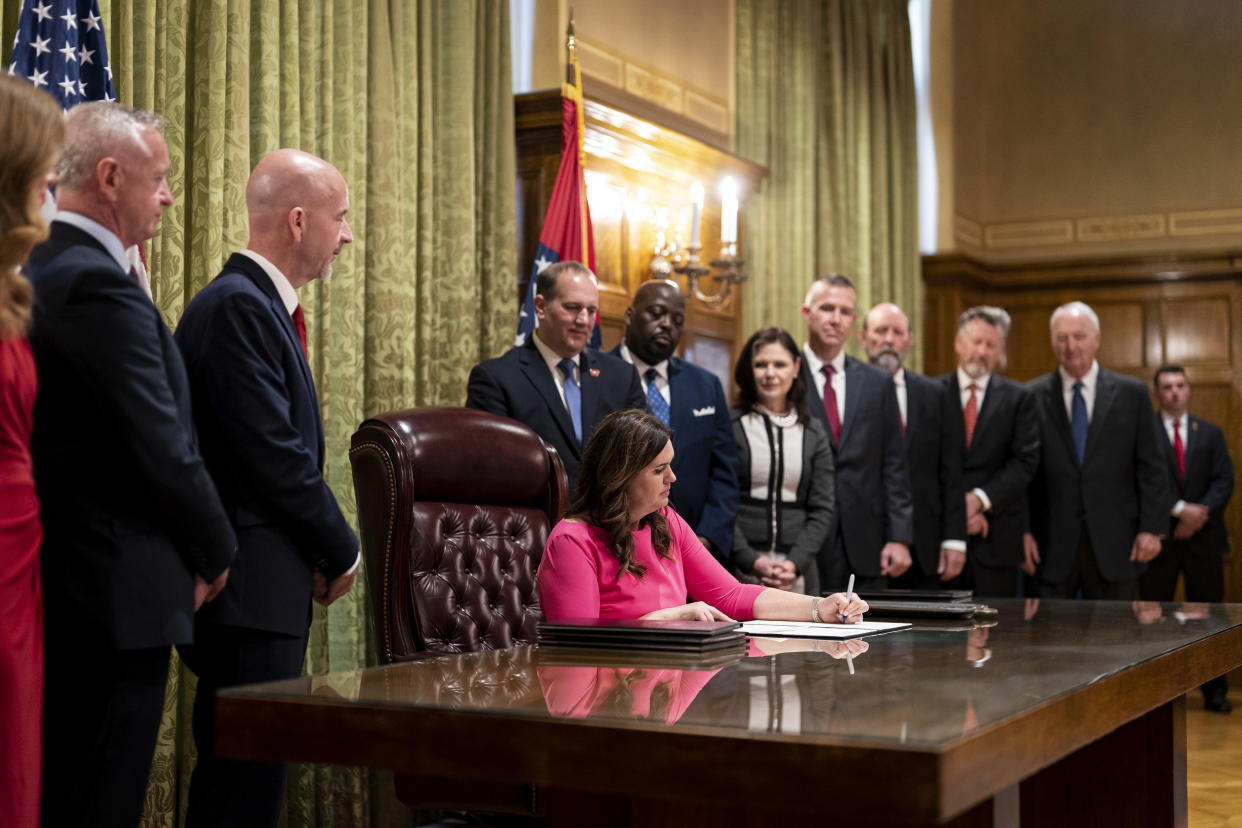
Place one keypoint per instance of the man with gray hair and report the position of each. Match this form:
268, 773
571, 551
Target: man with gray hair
1099, 501
135, 536
999, 439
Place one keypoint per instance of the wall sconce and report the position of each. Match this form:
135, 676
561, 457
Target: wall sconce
672, 258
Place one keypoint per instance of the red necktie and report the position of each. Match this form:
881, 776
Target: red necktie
830, 405
970, 414
299, 322
1179, 450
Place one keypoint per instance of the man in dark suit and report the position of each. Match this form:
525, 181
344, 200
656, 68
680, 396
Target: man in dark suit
933, 452
691, 401
552, 383
1200, 475
997, 430
243, 337
1099, 499
858, 407
135, 536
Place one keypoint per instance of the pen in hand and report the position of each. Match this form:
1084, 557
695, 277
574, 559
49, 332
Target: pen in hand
849, 596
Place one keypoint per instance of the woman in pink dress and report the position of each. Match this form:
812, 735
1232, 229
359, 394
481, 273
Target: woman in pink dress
623, 552
31, 133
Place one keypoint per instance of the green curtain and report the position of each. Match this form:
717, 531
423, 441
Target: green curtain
826, 100
412, 101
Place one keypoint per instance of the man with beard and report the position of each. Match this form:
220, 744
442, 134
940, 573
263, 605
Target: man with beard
998, 435
933, 453
856, 405
691, 401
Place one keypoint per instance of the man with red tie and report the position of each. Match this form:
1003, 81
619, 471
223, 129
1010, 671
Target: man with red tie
1201, 483
999, 440
244, 342
857, 405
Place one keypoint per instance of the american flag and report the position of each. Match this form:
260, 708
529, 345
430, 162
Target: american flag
60, 48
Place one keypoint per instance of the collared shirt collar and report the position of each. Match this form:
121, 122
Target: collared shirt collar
661, 368
288, 296
815, 364
964, 380
552, 358
1183, 422
99, 233
899, 378
1088, 380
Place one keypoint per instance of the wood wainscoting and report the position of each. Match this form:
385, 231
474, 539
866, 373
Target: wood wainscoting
1180, 308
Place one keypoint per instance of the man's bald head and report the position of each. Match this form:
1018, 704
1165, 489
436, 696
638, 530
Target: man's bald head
885, 336
297, 204
654, 321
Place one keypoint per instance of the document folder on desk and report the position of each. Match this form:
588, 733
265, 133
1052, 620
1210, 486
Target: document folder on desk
637, 634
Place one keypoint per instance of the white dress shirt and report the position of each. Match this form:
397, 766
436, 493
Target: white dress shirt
1183, 423
816, 365
1090, 382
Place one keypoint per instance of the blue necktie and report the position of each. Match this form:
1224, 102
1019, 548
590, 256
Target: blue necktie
1078, 421
654, 398
573, 395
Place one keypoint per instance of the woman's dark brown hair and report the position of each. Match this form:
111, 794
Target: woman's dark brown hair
624, 443
32, 130
744, 371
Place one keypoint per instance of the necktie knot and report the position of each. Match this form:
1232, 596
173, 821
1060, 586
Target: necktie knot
828, 370
1078, 387
567, 367
651, 375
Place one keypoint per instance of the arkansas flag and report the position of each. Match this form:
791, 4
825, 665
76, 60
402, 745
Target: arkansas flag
566, 233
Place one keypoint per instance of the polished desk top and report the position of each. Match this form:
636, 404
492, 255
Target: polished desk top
950, 698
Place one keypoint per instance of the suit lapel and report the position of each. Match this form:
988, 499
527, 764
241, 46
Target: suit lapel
588, 361
249, 268
914, 398
536, 371
814, 400
855, 379
681, 414
1105, 392
1055, 402
988, 405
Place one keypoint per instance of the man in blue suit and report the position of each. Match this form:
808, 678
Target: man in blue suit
552, 382
691, 401
135, 537
244, 341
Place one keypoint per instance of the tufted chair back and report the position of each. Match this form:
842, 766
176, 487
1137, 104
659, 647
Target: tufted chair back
454, 507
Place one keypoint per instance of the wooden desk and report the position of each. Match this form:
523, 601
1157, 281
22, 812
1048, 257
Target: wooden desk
1068, 713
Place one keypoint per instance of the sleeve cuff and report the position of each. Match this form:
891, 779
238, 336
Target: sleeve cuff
983, 498
357, 563
955, 545
1178, 508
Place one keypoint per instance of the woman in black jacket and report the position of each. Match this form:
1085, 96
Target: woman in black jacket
785, 471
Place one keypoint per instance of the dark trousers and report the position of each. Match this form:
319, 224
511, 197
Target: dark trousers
1204, 571
835, 570
1085, 575
229, 792
990, 581
915, 577
102, 712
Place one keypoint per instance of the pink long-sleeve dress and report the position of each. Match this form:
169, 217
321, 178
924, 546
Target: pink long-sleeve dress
578, 575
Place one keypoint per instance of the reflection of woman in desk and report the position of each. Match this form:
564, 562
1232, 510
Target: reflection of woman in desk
659, 695
622, 552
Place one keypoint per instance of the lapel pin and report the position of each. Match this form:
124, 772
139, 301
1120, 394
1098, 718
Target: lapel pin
594, 372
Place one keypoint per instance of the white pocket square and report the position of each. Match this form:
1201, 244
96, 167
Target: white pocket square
705, 412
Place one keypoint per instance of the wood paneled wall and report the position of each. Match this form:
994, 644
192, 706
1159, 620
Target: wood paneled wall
634, 168
1184, 309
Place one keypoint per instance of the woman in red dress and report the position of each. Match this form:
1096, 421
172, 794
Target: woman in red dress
31, 134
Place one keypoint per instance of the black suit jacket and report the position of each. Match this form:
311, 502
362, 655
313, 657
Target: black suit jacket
1119, 490
130, 514
704, 453
518, 385
934, 462
1001, 460
872, 485
258, 420
1209, 480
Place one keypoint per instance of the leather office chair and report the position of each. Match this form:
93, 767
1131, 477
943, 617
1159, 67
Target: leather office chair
454, 508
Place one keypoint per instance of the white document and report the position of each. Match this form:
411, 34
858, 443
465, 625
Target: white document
811, 629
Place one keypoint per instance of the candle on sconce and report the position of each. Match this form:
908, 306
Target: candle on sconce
696, 212
728, 211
